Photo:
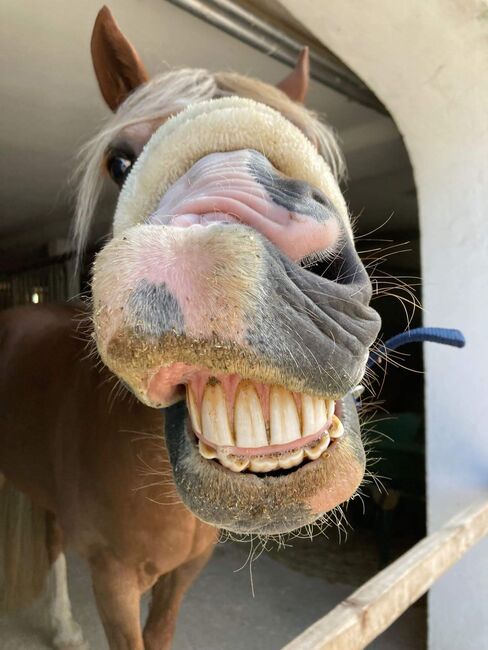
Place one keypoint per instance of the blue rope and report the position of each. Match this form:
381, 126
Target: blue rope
440, 335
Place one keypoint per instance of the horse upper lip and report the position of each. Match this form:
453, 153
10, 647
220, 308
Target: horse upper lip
243, 186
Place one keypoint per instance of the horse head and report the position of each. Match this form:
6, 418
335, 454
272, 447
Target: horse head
204, 303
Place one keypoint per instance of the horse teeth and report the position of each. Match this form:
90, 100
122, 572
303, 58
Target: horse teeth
249, 425
193, 410
215, 421
314, 414
320, 413
263, 464
291, 460
315, 451
206, 451
336, 428
308, 415
284, 422
234, 463
330, 408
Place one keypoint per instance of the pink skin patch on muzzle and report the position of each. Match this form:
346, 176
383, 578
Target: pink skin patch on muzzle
224, 188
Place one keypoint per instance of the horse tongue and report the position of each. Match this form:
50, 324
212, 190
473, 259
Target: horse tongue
234, 187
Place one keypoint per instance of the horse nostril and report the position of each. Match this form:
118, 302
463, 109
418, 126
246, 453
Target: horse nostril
319, 197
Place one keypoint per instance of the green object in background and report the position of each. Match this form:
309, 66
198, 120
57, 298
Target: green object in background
399, 442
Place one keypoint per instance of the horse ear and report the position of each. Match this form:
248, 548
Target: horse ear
295, 85
118, 68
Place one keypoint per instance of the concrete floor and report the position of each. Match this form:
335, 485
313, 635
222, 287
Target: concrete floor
220, 612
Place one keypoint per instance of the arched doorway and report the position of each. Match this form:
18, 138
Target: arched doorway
428, 66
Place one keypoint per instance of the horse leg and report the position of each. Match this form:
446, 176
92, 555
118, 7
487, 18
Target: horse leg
167, 595
67, 634
117, 593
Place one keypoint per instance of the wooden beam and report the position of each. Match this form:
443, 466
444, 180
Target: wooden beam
359, 619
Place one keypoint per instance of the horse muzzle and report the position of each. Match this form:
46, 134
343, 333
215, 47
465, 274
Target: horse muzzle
203, 291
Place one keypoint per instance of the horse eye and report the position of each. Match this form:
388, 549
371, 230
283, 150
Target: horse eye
118, 167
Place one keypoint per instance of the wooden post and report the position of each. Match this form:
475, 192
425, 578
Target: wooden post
359, 619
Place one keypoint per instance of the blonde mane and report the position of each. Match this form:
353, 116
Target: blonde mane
170, 92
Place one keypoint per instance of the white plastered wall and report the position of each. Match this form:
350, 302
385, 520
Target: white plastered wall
428, 63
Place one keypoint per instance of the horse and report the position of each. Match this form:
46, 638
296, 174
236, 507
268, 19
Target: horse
211, 300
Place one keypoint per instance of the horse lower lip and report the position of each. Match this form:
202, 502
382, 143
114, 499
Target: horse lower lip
269, 502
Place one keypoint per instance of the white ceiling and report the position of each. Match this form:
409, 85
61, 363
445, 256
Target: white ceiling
51, 105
